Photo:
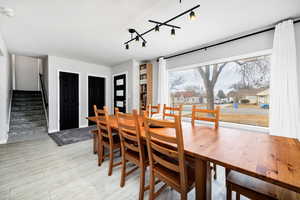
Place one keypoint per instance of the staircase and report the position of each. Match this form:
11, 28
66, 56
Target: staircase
27, 121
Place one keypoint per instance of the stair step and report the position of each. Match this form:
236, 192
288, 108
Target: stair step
27, 113
26, 108
26, 119
32, 131
27, 126
27, 103
18, 99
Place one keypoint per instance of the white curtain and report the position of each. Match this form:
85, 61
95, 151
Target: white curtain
162, 82
284, 90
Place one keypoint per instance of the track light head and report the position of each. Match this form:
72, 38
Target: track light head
173, 31
127, 46
157, 28
192, 15
137, 38
144, 44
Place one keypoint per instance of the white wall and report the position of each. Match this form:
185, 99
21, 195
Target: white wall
56, 64
131, 68
27, 73
5, 90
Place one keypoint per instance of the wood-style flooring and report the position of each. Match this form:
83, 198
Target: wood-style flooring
40, 170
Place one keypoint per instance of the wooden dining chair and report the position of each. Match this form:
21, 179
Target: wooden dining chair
95, 132
209, 116
167, 159
133, 149
255, 189
172, 111
117, 110
153, 109
107, 139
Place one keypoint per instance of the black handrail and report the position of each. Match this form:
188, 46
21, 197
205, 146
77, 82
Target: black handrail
43, 91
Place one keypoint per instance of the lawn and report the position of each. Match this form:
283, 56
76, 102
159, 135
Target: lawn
249, 119
243, 106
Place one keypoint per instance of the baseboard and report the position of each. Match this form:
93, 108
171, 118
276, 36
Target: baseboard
4, 140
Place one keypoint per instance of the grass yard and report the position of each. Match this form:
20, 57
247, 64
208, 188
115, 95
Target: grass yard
244, 106
249, 119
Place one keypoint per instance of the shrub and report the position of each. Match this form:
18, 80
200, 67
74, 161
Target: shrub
245, 101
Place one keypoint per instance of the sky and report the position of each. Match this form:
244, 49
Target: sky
192, 77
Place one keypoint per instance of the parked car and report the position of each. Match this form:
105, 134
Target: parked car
264, 106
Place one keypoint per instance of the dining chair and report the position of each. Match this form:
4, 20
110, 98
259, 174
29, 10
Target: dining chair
166, 157
255, 189
117, 110
209, 116
133, 149
107, 139
153, 109
95, 132
171, 111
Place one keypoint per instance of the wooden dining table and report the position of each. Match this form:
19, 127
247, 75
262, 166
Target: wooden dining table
273, 159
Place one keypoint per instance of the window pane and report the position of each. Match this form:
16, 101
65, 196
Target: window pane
239, 87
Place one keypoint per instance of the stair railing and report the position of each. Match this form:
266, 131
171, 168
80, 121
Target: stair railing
44, 98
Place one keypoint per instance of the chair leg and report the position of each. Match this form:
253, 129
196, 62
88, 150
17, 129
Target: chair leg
237, 197
100, 152
123, 171
183, 196
95, 141
152, 186
111, 161
228, 192
215, 171
142, 183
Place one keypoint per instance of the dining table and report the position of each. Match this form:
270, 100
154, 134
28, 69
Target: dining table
273, 159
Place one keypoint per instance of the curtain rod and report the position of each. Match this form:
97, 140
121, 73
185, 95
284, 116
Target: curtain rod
226, 41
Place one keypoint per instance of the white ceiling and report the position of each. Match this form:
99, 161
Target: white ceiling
94, 30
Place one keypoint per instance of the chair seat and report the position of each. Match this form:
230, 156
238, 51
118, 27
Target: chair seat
172, 178
134, 157
116, 140
258, 186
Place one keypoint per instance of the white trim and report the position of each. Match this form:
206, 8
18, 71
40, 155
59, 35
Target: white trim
9, 110
222, 60
113, 89
58, 96
87, 87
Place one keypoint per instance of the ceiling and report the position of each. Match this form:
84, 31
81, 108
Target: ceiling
95, 30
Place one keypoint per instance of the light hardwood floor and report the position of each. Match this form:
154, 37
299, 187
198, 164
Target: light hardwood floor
40, 170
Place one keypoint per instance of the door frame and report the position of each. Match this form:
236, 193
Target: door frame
58, 96
87, 89
113, 89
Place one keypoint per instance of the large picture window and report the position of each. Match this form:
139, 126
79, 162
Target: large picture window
239, 87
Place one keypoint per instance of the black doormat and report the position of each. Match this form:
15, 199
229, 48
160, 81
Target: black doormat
72, 135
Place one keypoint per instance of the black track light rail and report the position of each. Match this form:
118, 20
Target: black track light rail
140, 36
164, 23
169, 25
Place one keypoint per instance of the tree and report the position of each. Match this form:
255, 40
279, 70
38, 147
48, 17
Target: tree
210, 76
221, 94
175, 81
255, 73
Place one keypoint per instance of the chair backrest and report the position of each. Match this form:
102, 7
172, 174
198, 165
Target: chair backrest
153, 109
213, 115
172, 111
103, 124
168, 156
130, 133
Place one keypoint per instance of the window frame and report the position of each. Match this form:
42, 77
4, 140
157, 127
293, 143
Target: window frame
267, 52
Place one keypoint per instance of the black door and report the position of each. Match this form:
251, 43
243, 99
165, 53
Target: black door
69, 100
96, 94
120, 92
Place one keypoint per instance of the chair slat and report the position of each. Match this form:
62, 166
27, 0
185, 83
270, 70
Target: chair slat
205, 119
163, 137
163, 150
165, 163
131, 147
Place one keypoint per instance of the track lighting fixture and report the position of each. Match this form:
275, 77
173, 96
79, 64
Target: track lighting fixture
157, 26
173, 31
192, 15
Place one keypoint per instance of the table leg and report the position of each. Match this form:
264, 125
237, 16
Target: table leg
202, 180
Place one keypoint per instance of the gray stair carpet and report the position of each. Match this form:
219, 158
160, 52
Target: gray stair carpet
27, 120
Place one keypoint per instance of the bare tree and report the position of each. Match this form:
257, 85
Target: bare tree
255, 73
175, 81
210, 76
